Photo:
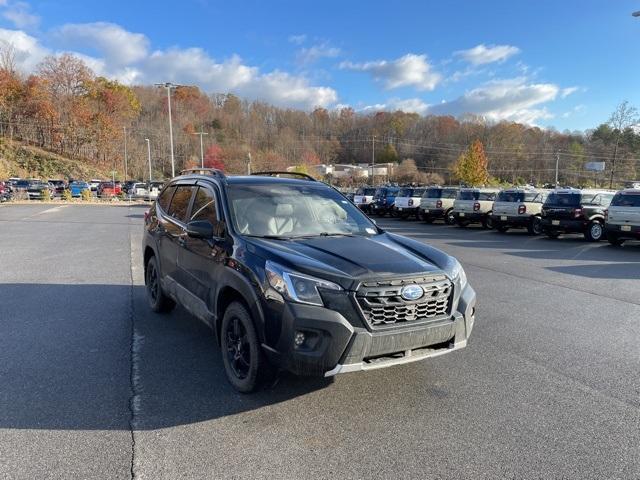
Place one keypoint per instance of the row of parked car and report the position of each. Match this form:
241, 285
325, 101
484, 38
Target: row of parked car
36, 189
595, 213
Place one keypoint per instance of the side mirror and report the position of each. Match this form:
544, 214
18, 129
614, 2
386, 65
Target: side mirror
200, 229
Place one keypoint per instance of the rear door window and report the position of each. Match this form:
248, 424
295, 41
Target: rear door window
204, 207
180, 202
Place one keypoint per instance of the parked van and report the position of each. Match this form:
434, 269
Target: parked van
437, 204
475, 205
519, 208
383, 201
623, 217
408, 202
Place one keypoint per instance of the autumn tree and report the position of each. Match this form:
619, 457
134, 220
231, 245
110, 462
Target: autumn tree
387, 155
622, 118
471, 166
214, 157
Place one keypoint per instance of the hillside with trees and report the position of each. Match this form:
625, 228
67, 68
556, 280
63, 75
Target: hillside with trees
66, 109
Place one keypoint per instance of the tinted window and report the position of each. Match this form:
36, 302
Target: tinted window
626, 200
510, 197
180, 202
418, 192
165, 197
432, 193
405, 192
564, 199
487, 196
204, 206
449, 193
468, 195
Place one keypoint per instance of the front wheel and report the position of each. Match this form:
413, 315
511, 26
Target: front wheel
594, 232
535, 226
487, 222
244, 362
449, 217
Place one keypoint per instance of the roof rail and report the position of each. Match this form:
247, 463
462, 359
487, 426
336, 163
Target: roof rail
277, 174
203, 171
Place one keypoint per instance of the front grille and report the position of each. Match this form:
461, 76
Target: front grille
382, 304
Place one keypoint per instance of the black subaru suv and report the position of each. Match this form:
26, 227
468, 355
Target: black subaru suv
290, 275
576, 211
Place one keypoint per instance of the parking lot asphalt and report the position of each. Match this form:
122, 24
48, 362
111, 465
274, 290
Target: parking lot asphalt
94, 385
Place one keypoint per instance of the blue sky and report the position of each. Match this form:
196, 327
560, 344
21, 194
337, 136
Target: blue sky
551, 63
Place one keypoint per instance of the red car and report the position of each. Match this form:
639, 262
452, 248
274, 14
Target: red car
107, 189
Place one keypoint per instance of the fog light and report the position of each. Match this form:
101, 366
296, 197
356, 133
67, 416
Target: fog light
298, 339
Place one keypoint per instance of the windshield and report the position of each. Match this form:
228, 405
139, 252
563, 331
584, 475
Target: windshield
626, 200
564, 199
294, 211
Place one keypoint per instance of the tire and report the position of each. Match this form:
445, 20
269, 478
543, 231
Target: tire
158, 301
487, 222
449, 218
594, 232
614, 240
535, 226
244, 362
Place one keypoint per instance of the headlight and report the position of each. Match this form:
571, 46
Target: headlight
296, 286
456, 272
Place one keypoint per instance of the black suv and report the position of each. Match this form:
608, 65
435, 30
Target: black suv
291, 275
576, 211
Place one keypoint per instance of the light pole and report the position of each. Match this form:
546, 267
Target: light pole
149, 156
373, 160
124, 129
169, 86
201, 147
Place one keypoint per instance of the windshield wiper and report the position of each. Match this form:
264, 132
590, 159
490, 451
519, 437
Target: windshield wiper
324, 234
270, 237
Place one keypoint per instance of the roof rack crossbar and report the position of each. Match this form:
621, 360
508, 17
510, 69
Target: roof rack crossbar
277, 174
203, 171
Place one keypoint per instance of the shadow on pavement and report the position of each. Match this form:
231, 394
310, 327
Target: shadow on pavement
65, 362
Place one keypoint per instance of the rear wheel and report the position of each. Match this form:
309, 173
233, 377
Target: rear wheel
594, 232
244, 362
614, 240
157, 299
535, 226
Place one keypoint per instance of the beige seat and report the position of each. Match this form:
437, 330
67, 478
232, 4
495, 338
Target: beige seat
282, 221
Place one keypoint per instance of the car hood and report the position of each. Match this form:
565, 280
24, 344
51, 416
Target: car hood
348, 260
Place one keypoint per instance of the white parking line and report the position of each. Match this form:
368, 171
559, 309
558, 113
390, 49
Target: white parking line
51, 210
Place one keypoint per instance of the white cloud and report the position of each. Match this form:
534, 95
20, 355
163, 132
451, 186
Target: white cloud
409, 105
568, 91
297, 39
411, 70
483, 54
28, 50
19, 13
114, 43
512, 99
316, 52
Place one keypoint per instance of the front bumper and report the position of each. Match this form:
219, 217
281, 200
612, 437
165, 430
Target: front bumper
338, 345
633, 231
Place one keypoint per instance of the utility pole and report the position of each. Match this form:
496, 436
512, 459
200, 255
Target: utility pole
248, 163
557, 165
201, 147
169, 86
149, 156
373, 159
124, 129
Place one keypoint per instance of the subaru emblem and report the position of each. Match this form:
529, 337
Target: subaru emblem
411, 292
